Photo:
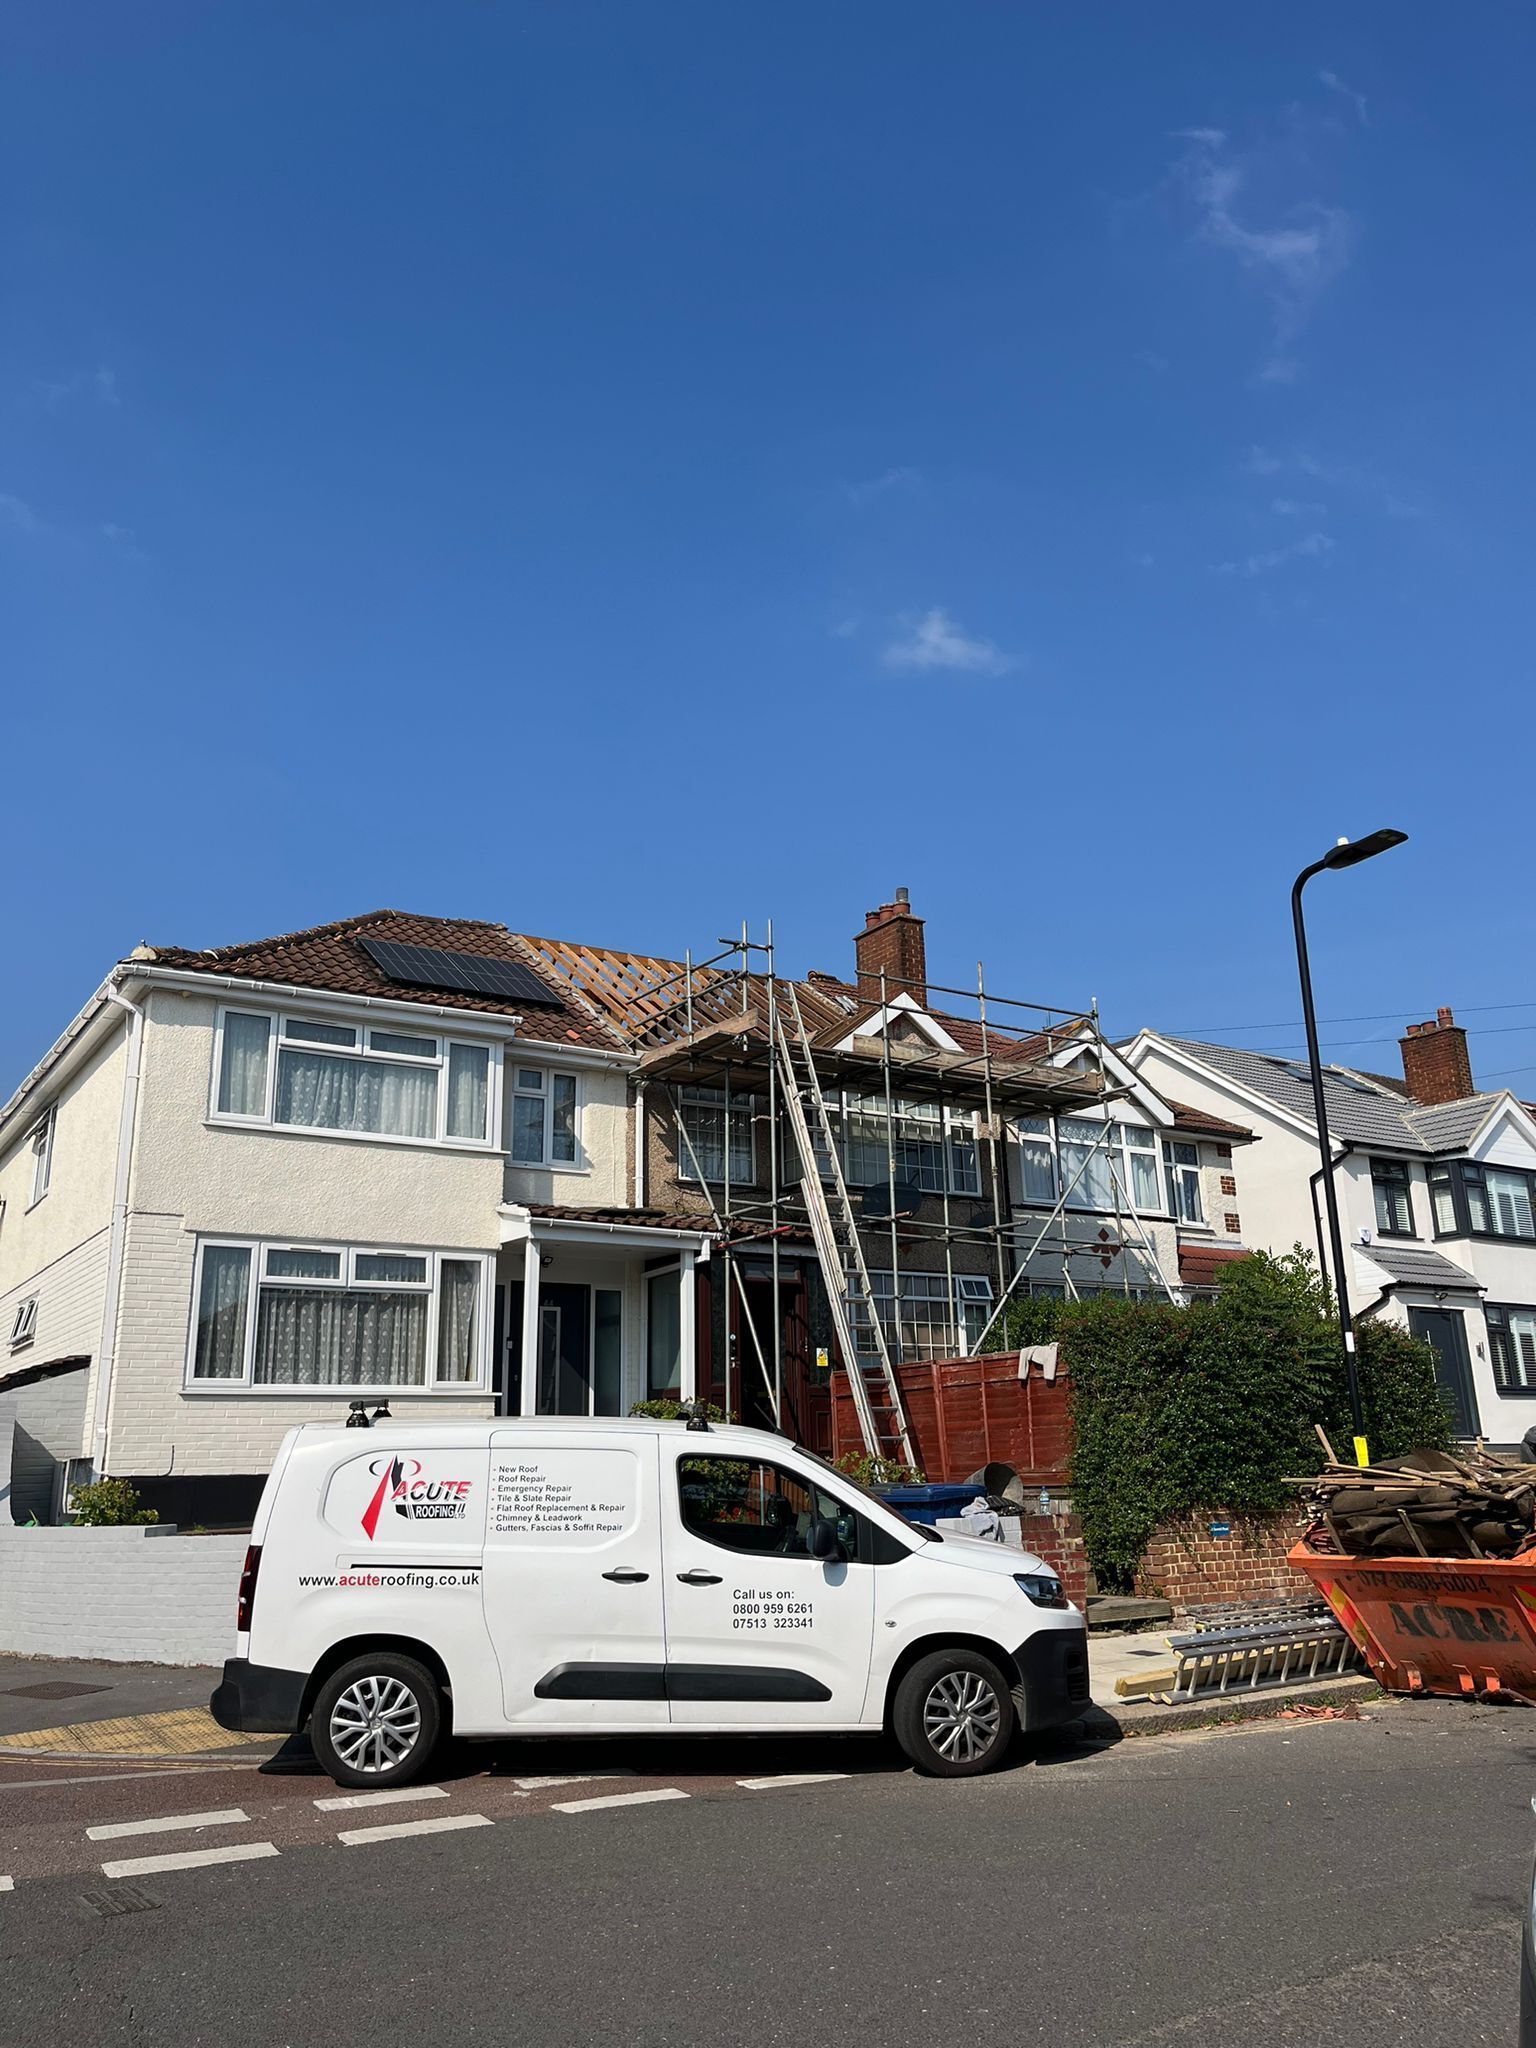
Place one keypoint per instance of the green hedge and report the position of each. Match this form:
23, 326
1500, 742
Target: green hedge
1178, 1410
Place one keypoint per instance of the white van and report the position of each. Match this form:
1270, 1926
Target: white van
575, 1577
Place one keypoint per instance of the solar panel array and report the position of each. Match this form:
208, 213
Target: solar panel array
472, 973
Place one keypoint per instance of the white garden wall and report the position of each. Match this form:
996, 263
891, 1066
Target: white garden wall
130, 1596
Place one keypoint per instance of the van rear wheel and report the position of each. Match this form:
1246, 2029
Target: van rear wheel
376, 1720
953, 1714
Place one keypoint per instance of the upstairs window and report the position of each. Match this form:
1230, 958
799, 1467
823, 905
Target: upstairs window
372, 1081
1102, 1168
544, 1118
1394, 1198
702, 1152
24, 1322
1499, 1201
40, 1139
929, 1147
1442, 1200
1184, 1183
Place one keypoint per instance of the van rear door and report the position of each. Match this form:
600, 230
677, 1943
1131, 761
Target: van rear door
572, 1583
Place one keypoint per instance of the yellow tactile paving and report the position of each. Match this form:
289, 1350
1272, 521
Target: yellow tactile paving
182, 1731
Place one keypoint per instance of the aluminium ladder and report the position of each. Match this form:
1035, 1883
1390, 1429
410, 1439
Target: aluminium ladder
876, 1392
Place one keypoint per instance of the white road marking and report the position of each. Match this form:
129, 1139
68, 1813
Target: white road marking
357, 1838
807, 1778
586, 1778
7, 1884
396, 1797
225, 1817
188, 1859
617, 1799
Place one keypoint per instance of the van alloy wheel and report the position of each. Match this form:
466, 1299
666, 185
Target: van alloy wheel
962, 1717
375, 1724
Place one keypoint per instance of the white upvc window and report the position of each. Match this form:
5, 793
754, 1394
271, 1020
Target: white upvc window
1184, 1183
932, 1148
1102, 1170
24, 1322
364, 1080
40, 1140
701, 1146
296, 1317
934, 1321
546, 1109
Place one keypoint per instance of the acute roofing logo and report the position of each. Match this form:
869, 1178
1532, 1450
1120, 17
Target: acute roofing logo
412, 1497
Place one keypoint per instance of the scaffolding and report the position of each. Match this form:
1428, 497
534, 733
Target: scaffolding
730, 1025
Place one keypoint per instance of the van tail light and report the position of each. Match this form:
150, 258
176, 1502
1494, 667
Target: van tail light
247, 1595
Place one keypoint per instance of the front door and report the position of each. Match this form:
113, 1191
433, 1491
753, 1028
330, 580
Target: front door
1446, 1330
572, 1582
565, 1351
758, 1630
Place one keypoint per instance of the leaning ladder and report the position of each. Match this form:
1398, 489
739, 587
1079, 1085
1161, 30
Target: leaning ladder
876, 1391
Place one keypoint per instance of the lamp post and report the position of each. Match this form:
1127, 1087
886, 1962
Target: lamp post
1347, 853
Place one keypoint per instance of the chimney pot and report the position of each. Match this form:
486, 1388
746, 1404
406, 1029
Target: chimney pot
891, 944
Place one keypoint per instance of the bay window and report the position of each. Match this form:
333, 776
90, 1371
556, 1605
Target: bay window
336, 1316
1102, 1169
372, 1081
702, 1146
543, 1118
1486, 1201
1184, 1183
1512, 1342
932, 1148
932, 1319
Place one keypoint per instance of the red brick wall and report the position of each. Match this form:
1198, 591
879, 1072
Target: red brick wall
1058, 1541
1187, 1565
892, 939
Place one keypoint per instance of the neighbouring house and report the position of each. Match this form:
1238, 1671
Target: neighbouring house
1436, 1183
469, 1171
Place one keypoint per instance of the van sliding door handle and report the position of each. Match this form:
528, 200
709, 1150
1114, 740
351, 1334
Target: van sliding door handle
698, 1578
627, 1576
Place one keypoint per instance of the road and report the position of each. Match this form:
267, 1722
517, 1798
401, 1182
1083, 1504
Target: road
1278, 1885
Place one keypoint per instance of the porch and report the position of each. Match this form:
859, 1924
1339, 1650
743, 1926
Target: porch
594, 1310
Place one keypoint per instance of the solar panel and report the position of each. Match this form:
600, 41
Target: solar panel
473, 973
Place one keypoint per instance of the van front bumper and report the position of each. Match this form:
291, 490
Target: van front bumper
257, 1699
1053, 1677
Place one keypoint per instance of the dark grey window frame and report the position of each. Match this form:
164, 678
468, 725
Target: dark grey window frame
1500, 1341
1465, 1174
1391, 1178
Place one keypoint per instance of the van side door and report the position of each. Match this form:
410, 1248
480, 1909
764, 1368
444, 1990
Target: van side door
760, 1632
572, 1582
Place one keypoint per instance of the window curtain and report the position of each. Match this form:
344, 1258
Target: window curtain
220, 1353
1141, 1148
468, 1067
1036, 1166
459, 1297
314, 1337
1093, 1190
356, 1095
243, 1076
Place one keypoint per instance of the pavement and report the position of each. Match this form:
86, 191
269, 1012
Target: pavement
1276, 1883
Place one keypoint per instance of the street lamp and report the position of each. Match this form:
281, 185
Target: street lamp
1347, 853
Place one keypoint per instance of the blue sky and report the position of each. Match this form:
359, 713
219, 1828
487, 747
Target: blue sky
623, 469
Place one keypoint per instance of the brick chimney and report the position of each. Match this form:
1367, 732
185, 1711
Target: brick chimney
1435, 1062
892, 939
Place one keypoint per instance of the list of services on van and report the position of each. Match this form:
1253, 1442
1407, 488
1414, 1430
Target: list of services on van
527, 1500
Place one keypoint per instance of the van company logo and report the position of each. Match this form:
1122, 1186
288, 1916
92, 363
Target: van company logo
402, 1487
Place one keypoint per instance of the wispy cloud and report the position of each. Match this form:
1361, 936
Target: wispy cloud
874, 487
17, 515
97, 385
1296, 508
935, 641
1315, 547
1398, 501
1293, 260
1336, 84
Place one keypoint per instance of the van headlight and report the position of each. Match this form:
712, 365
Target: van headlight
1044, 1588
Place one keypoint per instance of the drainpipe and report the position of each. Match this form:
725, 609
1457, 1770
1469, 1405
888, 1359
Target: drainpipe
1317, 1215
106, 1355
639, 1194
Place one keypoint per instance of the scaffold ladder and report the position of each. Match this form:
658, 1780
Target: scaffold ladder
873, 1382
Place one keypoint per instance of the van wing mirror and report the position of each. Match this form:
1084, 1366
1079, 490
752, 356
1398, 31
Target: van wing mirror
824, 1544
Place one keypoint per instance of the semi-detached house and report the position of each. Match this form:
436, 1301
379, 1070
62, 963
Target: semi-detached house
1436, 1183
455, 1167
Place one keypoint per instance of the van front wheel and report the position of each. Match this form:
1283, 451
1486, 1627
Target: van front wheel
953, 1714
376, 1721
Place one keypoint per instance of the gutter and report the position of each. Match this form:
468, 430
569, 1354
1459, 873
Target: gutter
504, 1026
106, 1356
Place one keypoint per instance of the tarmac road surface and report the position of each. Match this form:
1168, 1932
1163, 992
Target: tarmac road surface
1280, 1885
